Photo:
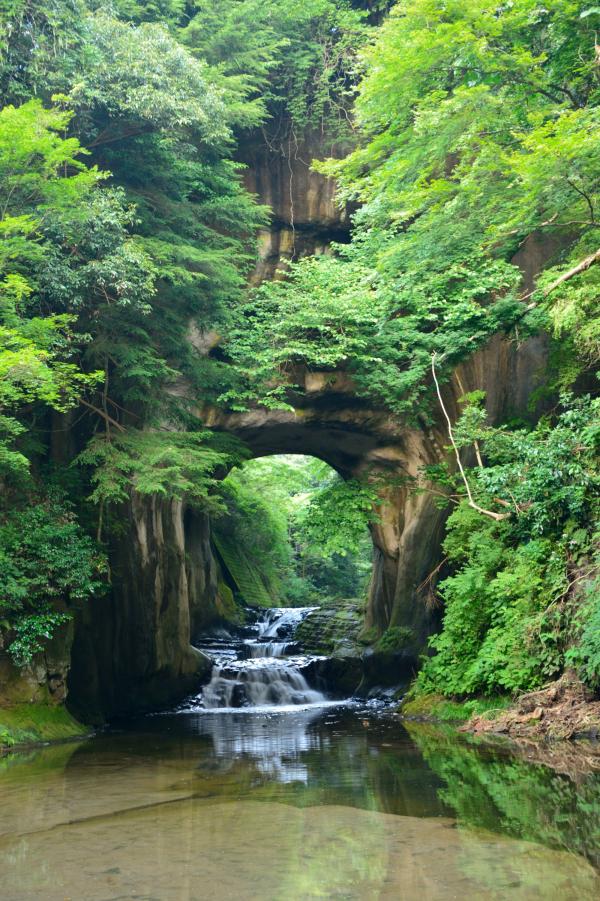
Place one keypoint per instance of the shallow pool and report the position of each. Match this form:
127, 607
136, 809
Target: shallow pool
323, 802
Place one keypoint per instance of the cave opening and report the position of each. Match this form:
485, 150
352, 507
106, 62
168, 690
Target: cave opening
293, 533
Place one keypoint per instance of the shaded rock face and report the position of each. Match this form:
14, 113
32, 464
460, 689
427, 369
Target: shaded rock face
44, 680
132, 651
304, 218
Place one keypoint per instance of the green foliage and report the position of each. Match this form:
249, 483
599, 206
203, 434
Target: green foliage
169, 464
119, 58
303, 527
509, 616
40, 178
47, 567
120, 268
282, 61
477, 126
336, 518
584, 654
323, 316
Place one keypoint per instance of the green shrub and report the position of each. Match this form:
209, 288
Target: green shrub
509, 614
47, 566
585, 654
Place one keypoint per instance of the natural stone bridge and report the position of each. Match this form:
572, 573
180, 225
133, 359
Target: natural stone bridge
133, 650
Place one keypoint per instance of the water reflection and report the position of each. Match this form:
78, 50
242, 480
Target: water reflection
276, 743
495, 790
330, 803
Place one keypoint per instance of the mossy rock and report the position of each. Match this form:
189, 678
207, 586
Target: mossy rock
226, 606
245, 575
368, 636
330, 627
32, 723
396, 638
436, 708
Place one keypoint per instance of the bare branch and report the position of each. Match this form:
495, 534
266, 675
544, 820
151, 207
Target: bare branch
101, 413
586, 197
472, 503
566, 276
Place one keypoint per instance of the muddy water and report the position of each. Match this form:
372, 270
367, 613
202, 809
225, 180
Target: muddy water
292, 804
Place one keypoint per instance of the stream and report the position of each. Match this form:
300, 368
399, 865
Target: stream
262, 787
262, 670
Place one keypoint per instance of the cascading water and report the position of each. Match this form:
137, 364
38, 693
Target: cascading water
258, 672
257, 683
268, 648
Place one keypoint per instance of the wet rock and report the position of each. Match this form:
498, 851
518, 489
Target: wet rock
336, 675
332, 629
386, 669
239, 696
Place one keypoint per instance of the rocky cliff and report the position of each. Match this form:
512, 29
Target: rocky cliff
133, 650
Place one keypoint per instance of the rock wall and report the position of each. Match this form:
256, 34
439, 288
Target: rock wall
408, 539
44, 681
305, 218
132, 651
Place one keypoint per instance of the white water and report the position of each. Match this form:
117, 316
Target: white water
268, 678
258, 684
267, 648
282, 621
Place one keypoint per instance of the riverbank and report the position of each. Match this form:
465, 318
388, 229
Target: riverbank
30, 724
563, 710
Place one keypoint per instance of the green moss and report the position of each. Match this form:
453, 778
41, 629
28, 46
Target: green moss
226, 605
436, 707
395, 638
30, 723
368, 636
244, 573
324, 630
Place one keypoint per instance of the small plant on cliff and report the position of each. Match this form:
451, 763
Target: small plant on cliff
48, 566
395, 638
510, 613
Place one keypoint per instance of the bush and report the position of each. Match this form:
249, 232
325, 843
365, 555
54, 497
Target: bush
47, 565
511, 621
585, 655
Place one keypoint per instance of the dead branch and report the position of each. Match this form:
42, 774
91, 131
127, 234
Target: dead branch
472, 503
566, 276
107, 418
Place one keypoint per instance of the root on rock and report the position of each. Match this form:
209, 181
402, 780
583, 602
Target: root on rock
565, 709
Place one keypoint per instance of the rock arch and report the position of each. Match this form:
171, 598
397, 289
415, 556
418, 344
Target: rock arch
132, 651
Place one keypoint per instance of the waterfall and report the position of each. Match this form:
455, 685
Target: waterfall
268, 648
265, 676
282, 621
258, 685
